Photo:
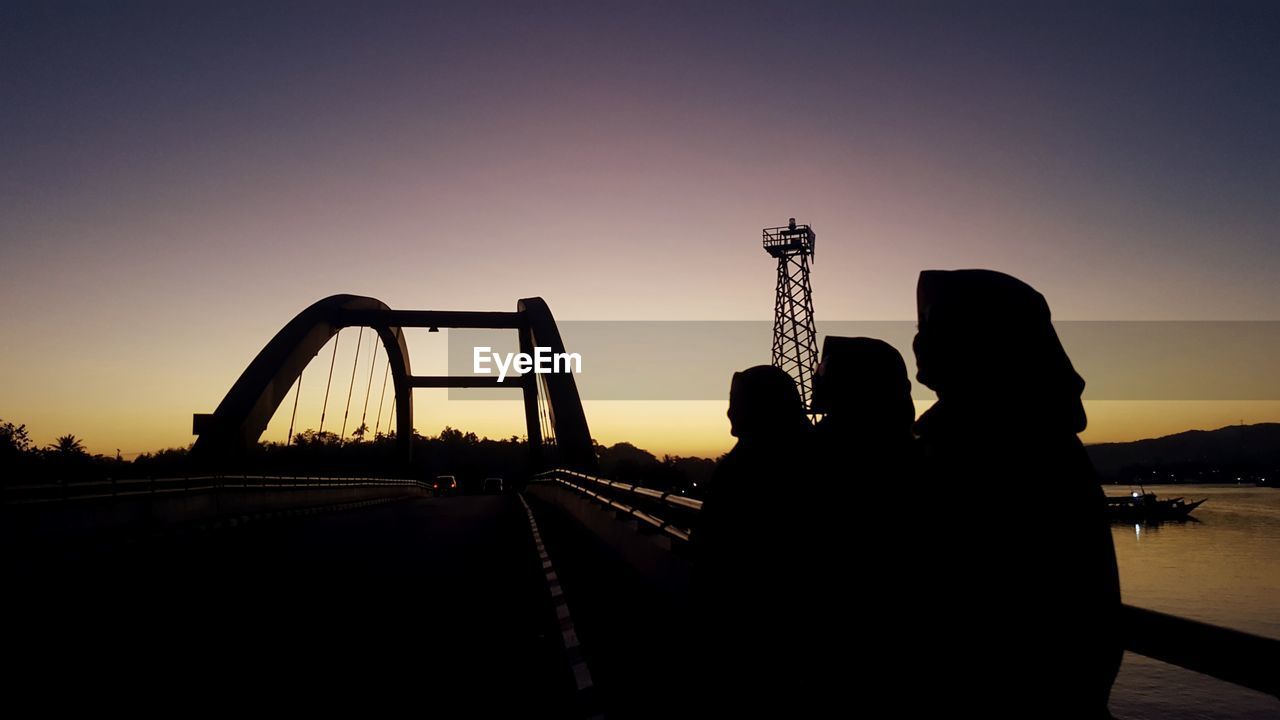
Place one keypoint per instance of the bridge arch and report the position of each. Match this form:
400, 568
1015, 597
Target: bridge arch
564, 405
242, 416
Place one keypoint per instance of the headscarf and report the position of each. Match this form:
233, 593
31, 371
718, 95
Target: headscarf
862, 382
986, 342
764, 403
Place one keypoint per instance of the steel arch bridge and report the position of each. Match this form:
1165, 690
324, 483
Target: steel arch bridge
242, 416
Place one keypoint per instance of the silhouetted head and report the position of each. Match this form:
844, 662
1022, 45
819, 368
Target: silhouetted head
764, 403
985, 339
862, 383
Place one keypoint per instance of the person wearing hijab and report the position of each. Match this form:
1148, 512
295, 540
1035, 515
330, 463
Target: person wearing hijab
744, 548
861, 564
1025, 586
863, 393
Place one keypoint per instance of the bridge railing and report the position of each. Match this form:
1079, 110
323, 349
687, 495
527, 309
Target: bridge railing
1234, 656
647, 505
32, 494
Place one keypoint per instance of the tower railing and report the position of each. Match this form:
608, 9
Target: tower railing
789, 238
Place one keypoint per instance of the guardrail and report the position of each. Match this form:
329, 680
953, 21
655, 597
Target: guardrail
1239, 658
98, 489
59, 514
638, 502
1233, 656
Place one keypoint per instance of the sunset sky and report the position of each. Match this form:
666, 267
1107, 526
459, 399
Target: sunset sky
178, 180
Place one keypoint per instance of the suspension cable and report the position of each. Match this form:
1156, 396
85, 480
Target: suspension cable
382, 397
542, 418
368, 386
544, 413
352, 387
294, 417
325, 408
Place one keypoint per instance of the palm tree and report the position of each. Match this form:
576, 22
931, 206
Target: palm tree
68, 445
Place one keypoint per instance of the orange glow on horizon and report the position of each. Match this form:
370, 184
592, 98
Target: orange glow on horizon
686, 428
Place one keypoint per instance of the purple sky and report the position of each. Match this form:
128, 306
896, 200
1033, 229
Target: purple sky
178, 179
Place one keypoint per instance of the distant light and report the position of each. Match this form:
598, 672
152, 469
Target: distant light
1135, 494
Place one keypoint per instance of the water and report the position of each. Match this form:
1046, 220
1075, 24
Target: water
1224, 569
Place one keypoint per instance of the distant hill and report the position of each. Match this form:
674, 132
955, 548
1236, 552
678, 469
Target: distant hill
1194, 454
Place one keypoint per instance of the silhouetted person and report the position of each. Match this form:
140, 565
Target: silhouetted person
1026, 588
863, 392
861, 573
745, 545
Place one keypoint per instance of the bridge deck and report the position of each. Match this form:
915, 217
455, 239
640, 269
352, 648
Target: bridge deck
416, 599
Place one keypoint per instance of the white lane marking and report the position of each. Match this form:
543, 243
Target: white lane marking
568, 635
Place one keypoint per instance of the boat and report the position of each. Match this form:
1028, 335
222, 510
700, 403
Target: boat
1146, 507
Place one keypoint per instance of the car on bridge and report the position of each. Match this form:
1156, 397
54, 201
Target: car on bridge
444, 486
492, 486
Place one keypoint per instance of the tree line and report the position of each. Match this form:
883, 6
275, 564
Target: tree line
465, 455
